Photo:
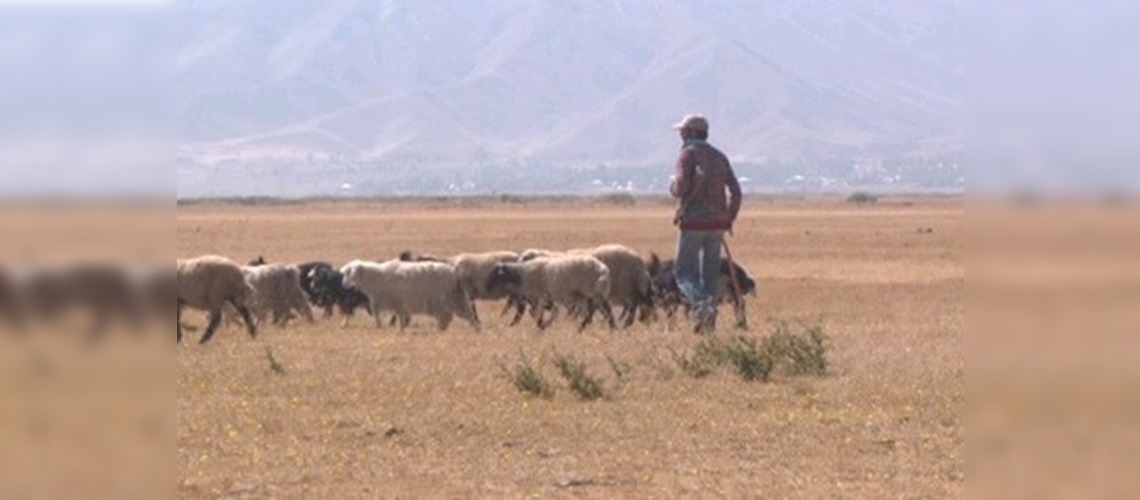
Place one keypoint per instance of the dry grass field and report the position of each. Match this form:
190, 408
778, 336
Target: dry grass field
367, 412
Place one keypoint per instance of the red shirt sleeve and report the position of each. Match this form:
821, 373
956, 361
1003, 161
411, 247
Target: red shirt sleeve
683, 182
734, 193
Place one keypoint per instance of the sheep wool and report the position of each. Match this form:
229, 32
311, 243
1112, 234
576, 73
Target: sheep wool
406, 288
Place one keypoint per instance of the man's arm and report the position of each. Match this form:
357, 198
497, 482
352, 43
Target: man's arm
683, 178
734, 194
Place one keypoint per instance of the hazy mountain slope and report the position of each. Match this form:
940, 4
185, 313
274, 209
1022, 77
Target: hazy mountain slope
563, 82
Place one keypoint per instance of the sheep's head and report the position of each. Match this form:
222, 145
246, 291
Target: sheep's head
743, 279
350, 275
410, 256
324, 279
503, 276
653, 264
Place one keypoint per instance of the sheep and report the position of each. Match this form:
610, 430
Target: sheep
473, 270
156, 290
629, 278
309, 272
411, 256
105, 289
567, 280
668, 294
11, 298
306, 280
534, 253
41, 293
207, 283
277, 291
328, 290
407, 288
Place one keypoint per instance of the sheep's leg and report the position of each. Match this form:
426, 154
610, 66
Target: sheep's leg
520, 309
99, 320
741, 315
178, 322
212, 327
280, 316
648, 309
608, 313
376, 317
469, 312
287, 315
547, 306
588, 316
247, 317
404, 318
511, 302
538, 311
444, 320
306, 311
469, 305
628, 313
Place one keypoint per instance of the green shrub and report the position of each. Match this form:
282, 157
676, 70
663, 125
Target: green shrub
510, 199
581, 383
802, 353
621, 199
621, 369
529, 380
694, 366
751, 359
794, 353
862, 198
274, 365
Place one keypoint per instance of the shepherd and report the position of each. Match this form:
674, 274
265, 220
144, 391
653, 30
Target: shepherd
710, 198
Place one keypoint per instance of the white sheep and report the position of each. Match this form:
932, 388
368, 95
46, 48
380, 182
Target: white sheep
629, 277
473, 270
567, 280
277, 290
629, 280
207, 283
534, 253
406, 288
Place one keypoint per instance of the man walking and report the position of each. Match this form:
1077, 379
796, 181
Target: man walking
710, 201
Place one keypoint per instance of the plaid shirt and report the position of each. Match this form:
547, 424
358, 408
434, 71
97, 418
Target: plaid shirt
704, 184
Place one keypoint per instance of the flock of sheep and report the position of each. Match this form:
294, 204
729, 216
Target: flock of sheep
581, 282
106, 291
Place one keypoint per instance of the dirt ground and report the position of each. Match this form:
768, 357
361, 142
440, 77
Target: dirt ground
367, 412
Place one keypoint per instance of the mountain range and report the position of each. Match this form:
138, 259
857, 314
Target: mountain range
298, 97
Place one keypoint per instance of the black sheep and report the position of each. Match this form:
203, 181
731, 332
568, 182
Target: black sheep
668, 295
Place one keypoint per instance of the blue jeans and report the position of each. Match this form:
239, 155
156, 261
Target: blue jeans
698, 266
